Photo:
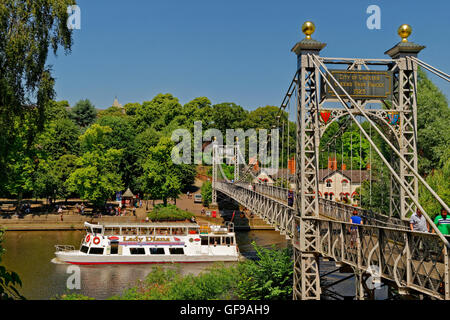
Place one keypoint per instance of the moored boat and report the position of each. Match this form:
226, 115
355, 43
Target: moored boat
152, 243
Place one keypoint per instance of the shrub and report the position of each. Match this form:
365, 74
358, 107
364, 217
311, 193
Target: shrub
168, 213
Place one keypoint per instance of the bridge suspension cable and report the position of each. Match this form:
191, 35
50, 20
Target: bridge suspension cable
318, 65
430, 68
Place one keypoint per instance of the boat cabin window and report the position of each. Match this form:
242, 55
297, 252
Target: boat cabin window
129, 231
179, 231
97, 230
176, 250
162, 231
193, 230
228, 240
84, 249
157, 251
204, 241
137, 251
147, 231
214, 240
96, 251
111, 231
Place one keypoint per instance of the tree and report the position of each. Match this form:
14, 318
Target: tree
439, 181
157, 113
111, 111
206, 191
28, 29
97, 177
228, 116
59, 137
160, 177
83, 113
123, 136
433, 125
267, 278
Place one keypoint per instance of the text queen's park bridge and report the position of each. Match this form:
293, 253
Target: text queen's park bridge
411, 262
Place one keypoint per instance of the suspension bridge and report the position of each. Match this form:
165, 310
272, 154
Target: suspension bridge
377, 97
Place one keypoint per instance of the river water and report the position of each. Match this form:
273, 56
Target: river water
30, 254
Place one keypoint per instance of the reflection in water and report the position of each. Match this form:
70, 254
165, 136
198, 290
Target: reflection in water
29, 253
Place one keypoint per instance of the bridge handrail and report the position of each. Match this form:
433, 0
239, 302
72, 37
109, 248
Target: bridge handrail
416, 260
369, 215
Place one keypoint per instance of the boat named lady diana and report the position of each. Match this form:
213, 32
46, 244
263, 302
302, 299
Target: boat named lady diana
152, 243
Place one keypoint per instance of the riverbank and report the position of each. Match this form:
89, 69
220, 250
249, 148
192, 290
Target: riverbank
72, 220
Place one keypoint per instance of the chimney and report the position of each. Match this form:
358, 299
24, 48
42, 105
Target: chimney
368, 167
291, 166
332, 164
344, 167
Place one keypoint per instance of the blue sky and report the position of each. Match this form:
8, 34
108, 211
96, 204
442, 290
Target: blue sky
228, 51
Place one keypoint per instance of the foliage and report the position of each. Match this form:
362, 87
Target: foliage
161, 178
9, 280
206, 191
375, 196
267, 278
111, 111
439, 181
168, 213
227, 170
97, 177
73, 296
433, 125
83, 113
217, 282
28, 29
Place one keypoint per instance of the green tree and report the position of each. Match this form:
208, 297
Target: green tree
112, 111
433, 125
206, 191
97, 177
28, 29
267, 278
83, 113
439, 181
228, 116
59, 137
160, 179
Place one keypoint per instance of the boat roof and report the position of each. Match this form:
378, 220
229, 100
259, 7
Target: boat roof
147, 225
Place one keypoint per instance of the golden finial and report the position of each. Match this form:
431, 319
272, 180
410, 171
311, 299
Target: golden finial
404, 32
308, 29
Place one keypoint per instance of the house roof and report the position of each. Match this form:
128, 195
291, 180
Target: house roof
355, 176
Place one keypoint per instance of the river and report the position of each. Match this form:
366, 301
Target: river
30, 254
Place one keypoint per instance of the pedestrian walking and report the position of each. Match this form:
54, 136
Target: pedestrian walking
442, 222
417, 222
60, 211
354, 219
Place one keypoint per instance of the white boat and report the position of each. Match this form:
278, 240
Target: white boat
152, 243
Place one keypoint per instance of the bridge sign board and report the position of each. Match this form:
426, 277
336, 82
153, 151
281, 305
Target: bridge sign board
361, 84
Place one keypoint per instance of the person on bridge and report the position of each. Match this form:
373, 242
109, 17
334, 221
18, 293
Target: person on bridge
355, 219
417, 222
442, 222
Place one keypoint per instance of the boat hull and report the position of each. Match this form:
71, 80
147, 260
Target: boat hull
75, 257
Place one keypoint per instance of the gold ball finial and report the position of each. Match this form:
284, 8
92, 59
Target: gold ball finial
308, 29
404, 32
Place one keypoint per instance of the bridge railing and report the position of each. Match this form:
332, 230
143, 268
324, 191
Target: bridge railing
333, 209
414, 260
